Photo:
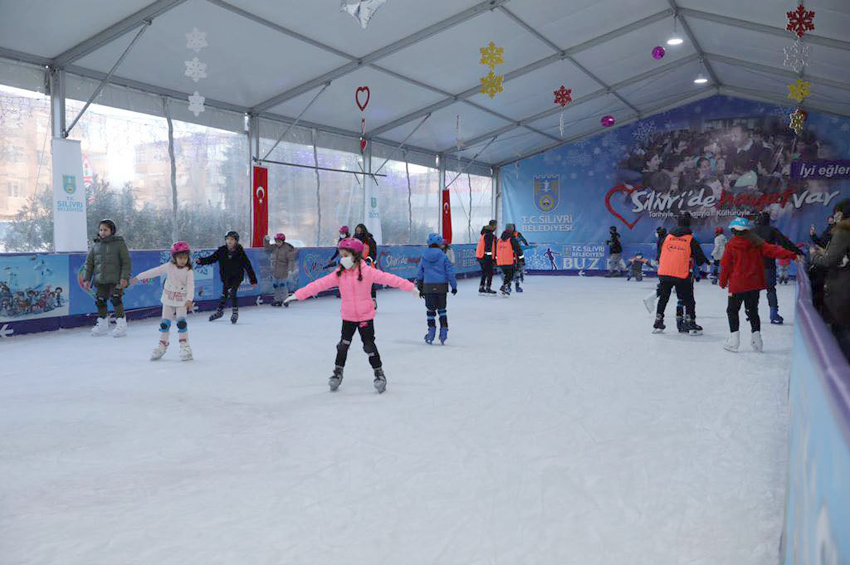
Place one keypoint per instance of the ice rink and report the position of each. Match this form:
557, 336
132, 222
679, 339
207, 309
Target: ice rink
552, 428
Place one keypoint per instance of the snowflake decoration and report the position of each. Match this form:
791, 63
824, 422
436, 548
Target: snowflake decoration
491, 85
196, 103
195, 69
609, 140
573, 176
492, 56
585, 142
563, 96
196, 40
800, 21
362, 10
799, 90
643, 132
579, 159
845, 127
798, 119
597, 151
590, 174
669, 126
796, 56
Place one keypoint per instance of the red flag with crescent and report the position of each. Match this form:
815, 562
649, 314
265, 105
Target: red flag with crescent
447, 216
261, 206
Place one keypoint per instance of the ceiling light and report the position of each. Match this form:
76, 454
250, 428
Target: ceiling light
675, 39
700, 79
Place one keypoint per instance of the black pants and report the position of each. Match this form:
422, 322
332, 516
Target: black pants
750, 300
684, 290
230, 289
435, 303
486, 271
508, 271
770, 279
106, 292
367, 335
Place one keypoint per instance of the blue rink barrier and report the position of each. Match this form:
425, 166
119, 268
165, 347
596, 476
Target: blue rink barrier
43, 291
817, 509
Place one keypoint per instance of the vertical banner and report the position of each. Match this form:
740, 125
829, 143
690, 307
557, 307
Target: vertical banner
261, 206
447, 215
69, 197
373, 210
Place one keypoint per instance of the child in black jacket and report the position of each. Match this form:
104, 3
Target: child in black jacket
232, 264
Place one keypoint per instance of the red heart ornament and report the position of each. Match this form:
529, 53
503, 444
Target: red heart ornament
362, 145
357, 97
628, 190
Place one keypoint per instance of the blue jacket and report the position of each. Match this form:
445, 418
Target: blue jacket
435, 268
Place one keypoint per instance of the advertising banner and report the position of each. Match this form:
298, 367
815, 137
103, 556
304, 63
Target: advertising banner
33, 286
69, 197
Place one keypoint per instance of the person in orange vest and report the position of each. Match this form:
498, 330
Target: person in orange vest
485, 252
678, 251
508, 252
519, 275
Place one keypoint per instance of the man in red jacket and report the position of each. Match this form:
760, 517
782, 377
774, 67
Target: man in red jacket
742, 270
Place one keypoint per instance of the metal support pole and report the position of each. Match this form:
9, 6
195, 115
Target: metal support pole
318, 190
298, 119
400, 145
311, 167
175, 231
469, 217
496, 191
105, 81
409, 200
441, 188
57, 102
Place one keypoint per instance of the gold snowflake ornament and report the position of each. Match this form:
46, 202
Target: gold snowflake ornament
798, 120
491, 85
799, 90
492, 55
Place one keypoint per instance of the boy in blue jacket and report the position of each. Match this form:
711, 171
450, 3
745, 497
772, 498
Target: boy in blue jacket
436, 274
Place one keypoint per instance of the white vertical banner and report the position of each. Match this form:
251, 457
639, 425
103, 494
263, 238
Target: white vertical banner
69, 197
373, 210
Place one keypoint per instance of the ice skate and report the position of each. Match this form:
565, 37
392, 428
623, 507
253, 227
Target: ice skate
756, 342
482, 291
444, 335
380, 381
775, 318
336, 379
692, 327
680, 325
658, 326
429, 337
160, 350
101, 327
650, 302
120, 327
277, 304
519, 288
217, 314
733, 342
235, 316
505, 292
185, 352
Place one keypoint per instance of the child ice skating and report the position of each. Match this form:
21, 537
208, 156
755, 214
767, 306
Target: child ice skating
108, 267
742, 270
485, 252
177, 293
284, 260
782, 270
636, 264
717, 253
507, 257
519, 275
232, 262
343, 233
436, 274
355, 279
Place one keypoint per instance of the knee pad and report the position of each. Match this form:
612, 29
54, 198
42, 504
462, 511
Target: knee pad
182, 325
100, 301
164, 326
442, 313
369, 347
274, 285
116, 297
431, 313
342, 346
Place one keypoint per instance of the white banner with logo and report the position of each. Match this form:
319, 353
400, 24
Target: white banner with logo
373, 210
69, 197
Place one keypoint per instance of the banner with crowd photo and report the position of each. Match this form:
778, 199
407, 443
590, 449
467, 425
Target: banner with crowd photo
33, 287
717, 158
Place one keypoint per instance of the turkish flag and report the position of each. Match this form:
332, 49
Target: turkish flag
261, 206
447, 216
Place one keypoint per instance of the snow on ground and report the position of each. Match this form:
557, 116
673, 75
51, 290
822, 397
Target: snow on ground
553, 428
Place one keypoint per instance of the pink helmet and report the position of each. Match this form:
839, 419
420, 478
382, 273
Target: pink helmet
280, 236
180, 247
351, 244
344, 230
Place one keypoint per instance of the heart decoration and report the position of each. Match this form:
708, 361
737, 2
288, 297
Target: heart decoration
362, 145
627, 190
357, 97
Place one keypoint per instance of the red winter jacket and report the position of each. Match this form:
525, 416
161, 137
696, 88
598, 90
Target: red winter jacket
742, 264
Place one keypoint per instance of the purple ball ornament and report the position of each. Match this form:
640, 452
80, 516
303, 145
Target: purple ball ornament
608, 121
658, 52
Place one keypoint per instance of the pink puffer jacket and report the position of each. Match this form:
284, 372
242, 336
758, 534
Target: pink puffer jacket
357, 305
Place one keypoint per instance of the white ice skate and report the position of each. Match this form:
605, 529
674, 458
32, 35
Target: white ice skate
185, 352
101, 328
649, 302
160, 350
756, 342
733, 342
120, 327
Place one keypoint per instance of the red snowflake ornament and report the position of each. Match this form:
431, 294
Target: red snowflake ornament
800, 21
563, 96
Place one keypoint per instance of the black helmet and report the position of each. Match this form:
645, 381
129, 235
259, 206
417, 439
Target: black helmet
232, 234
109, 223
763, 219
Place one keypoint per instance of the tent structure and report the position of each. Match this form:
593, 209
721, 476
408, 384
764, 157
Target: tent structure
421, 61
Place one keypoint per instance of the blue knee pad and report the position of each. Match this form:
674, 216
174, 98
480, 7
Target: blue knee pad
164, 326
274, 285
182, 326
441, 313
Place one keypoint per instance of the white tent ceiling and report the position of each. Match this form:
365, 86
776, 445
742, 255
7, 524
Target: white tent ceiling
421, 59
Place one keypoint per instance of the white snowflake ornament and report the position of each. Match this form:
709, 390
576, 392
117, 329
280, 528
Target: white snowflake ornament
362, 10
195, 69
796, 56
644, 130
196, 40
196, 103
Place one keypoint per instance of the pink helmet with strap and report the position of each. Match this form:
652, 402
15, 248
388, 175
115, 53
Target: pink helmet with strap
180, 247
351, 244
344, 230
280, 236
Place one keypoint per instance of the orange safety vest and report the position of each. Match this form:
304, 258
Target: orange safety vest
366, 249
504, 253
479, 249
675, 260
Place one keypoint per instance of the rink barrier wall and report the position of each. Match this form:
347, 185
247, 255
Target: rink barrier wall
817, 509
38, 275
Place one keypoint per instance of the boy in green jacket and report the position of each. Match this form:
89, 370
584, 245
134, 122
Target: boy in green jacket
108, 265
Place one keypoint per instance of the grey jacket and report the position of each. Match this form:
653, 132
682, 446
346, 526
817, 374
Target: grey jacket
836, 261
284, 258
108, 261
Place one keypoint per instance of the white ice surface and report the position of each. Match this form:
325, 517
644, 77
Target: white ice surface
553, 428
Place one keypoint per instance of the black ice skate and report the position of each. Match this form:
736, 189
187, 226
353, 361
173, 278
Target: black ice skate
336, 379
234, 316
216, 315
658, 326
680, 325
691, 327
380, 381
482, 290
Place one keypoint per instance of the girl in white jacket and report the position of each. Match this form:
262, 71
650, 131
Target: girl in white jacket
177, 294
717, 253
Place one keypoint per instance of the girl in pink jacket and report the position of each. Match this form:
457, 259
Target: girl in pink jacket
355, 279
177, 293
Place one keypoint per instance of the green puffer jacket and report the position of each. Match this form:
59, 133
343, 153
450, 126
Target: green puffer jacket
108, 261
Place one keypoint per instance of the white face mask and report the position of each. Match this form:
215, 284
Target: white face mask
347, 262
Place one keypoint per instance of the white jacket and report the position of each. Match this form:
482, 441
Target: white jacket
179, 285
719, 247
